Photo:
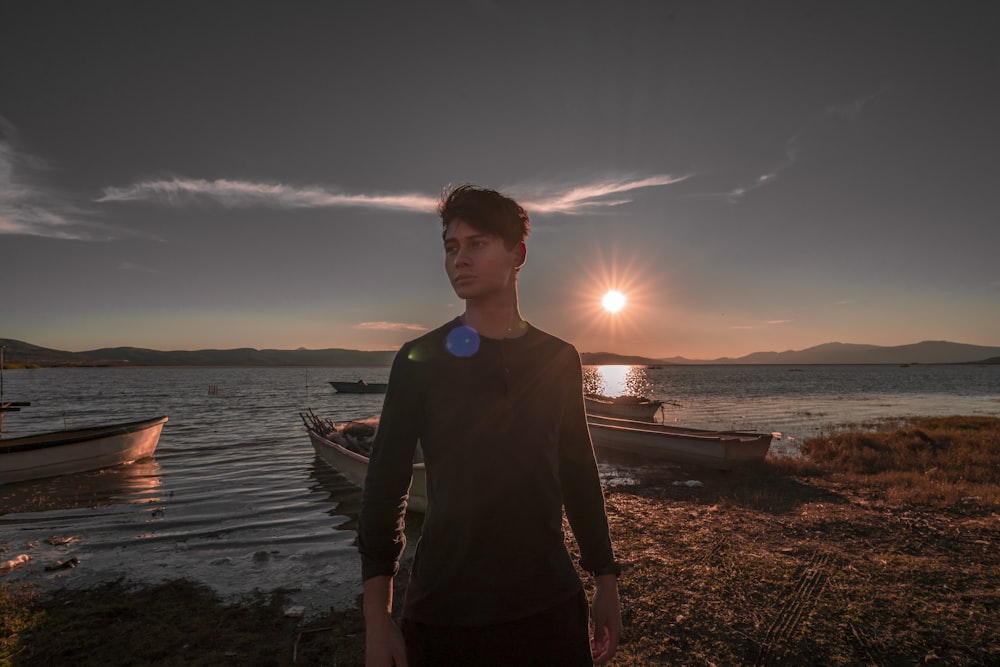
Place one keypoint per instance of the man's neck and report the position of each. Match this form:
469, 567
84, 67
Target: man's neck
494, 321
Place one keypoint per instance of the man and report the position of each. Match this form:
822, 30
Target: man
497, 407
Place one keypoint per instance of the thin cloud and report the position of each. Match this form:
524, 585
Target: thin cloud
27, 207
244, 194
851, 110
30, 206
791, 154
390, 326
778, 321
578, 199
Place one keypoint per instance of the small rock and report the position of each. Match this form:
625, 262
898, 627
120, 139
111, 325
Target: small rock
63, 565
295, 611
9, 565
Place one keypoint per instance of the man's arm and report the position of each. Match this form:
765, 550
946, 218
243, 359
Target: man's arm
584, 502
381, 540
380, 523
384, 646
606, 611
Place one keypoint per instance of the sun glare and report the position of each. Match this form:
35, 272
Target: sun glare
613, 301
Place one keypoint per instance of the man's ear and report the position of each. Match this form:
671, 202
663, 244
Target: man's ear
520, 255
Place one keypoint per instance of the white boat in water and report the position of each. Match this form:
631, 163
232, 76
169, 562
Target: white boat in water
77, 450
345, 448
722, 450
638, 408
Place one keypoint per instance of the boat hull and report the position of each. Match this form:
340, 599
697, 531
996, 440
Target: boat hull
354, 467
77, 450
638, 410
723, 450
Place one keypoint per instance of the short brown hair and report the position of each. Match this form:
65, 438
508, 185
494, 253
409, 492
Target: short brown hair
487, 211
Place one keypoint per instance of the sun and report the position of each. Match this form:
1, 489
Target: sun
613, 301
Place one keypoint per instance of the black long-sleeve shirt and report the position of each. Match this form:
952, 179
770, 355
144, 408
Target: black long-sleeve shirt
506, 446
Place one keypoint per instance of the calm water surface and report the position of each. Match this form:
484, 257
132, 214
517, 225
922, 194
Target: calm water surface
236, 498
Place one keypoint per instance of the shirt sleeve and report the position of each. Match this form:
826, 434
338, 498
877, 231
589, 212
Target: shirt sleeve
581, 483
390, 471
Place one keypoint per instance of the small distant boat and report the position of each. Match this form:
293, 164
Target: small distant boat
345, 447
723, 450
77, 450
638, 408
360, 387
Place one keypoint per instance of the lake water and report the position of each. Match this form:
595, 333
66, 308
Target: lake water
235, 497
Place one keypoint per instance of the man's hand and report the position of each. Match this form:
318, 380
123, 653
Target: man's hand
384, 645
607, 614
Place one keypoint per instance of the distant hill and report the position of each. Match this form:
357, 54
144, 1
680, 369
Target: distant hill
612, 359
927, 352
19, 352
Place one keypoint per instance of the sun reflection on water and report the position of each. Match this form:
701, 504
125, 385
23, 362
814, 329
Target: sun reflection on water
615, 381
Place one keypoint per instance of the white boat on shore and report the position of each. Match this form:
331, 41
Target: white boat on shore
345, 448
77, 450
638, 408
723, 450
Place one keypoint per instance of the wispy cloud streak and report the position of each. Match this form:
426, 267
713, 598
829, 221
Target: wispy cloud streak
27, 207
241, 194
851, 110
390, 326
244, 194
581, 198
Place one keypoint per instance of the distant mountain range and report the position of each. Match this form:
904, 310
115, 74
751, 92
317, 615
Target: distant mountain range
19, 352
928, 352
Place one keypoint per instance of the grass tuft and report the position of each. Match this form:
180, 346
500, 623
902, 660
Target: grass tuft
945, 462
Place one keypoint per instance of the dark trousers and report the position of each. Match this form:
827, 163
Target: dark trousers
556, 637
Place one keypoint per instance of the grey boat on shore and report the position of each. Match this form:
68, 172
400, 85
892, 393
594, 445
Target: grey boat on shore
722, 450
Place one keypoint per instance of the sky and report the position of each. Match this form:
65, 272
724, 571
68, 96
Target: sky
752, 176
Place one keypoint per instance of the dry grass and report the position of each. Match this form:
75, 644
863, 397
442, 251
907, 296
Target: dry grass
944, 462
880, 548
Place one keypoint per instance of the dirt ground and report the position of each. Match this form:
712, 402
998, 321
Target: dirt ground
766, 568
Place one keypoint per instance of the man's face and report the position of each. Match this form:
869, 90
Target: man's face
477, 263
